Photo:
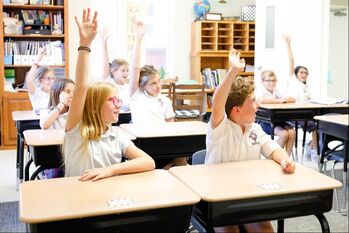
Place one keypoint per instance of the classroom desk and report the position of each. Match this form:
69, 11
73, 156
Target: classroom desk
24, 120
169, 139
338, 126
256, 190
153, 201
296, 112
45, 148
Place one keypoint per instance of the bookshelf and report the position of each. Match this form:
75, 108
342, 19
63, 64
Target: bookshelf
212, 41
37, 22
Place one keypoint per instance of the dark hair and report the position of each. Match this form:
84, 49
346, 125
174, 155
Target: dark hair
241, 88
115, 64
56, 89
296, 70
146, 73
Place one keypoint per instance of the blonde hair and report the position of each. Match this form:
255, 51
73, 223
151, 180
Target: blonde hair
92, 124
241, 88
267, 73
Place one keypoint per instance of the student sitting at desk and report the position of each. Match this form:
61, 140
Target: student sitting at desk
147, 103
115, 72
298, 88
92, 149
55, 117
269, 94
232, 134
39, 81
61, 95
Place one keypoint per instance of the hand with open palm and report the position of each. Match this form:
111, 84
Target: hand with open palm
87, 28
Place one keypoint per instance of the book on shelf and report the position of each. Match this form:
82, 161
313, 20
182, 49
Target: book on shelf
213, 77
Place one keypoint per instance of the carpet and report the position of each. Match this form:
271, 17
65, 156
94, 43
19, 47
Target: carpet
9, 218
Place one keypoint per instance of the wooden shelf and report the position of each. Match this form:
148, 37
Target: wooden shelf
34, 36
12, 101
32, 7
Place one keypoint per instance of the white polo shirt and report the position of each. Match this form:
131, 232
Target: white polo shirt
147, 109
104, 152
39, 100
227, 143
262, 92
59, 123
298, 90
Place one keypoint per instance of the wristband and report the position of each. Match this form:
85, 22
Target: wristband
84, 48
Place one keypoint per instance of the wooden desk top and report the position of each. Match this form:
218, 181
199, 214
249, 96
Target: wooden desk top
341, 119
24, 115
44, 137
302, 105
49, 137
250, 179
68, 198
166, 129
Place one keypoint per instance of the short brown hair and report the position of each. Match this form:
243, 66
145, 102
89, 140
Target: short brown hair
241, 88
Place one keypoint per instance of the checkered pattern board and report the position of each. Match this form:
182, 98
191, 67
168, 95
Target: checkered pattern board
248, 13
187, 113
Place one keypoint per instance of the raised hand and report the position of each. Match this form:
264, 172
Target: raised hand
287, 38
104, 35
41, 54
235, 61
87, 27
139, 29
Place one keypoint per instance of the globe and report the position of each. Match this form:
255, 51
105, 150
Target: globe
201, 7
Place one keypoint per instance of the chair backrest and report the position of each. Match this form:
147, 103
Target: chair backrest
190, 98
199, 157
167, 89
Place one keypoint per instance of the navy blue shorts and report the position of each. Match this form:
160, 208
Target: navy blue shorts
266, 126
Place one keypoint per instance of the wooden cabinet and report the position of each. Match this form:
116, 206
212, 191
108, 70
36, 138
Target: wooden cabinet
35, 30
212, 41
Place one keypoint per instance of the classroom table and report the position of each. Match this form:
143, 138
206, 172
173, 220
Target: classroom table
256, 190
153, 201
337, 126
296, 112
169, 139
24, 120
45, 148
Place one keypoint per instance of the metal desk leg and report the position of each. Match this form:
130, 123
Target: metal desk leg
21, 157
281, 225
323, 222
344, 211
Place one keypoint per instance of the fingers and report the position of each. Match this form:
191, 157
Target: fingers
77, 22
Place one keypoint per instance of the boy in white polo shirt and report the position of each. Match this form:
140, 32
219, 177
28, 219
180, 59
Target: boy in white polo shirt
232, 134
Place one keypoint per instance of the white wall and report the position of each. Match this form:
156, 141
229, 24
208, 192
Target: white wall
307, 23
337, 80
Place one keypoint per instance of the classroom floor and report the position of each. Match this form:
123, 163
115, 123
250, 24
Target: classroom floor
337, 222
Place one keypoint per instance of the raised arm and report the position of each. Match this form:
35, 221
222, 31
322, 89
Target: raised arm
136, 58
104, 36
221, 93
30, 79
287, 39
87, 32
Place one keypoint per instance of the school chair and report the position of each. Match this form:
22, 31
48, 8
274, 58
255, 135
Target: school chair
167, 86
188, 101
332, 153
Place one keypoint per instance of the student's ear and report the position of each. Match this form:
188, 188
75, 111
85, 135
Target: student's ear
235, 110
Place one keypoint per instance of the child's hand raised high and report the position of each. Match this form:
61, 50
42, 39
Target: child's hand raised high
87, 28
139, 29
235, 61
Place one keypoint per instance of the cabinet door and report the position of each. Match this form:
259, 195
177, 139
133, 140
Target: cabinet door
11, 104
